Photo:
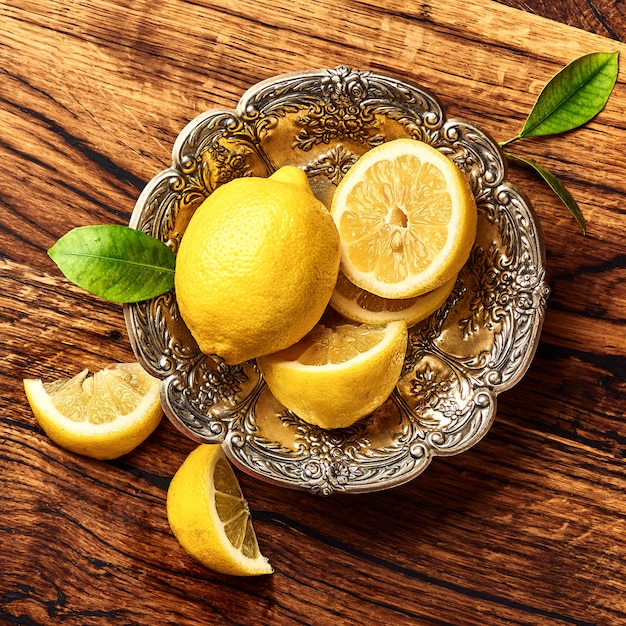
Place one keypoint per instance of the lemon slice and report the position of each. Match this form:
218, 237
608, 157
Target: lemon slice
103, 416
209, 515
359, 305
338, 374
406, 217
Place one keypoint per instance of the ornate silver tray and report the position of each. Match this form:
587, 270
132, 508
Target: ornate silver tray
477, 345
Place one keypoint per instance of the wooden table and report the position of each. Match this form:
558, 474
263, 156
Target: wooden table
527, 527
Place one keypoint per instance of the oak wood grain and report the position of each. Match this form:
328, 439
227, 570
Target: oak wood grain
527, 527
603, 17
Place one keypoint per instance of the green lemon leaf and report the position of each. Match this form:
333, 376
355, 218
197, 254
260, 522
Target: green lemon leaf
557, 186
573, 96
117, 263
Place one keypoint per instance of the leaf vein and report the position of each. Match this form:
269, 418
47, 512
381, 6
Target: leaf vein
122, 261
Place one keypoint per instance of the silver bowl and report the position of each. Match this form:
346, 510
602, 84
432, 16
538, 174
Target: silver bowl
477, 345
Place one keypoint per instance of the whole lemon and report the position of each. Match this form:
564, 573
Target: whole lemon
256, 265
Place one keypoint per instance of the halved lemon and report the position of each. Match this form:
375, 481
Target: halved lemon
209, 515
406, 217
102, 416
359, 305
339, 373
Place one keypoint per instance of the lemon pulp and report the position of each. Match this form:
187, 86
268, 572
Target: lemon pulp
406, 217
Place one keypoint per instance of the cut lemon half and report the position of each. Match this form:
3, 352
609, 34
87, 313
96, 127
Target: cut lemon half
338, 374
102, 416
209, 515
406, 217
359, 305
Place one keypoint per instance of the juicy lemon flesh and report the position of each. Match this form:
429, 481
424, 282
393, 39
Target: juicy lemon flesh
359, 305
103, 416
337, 374
256, 266
406, 217
232, 509
406, 202
326, 345
210, 516
101, 398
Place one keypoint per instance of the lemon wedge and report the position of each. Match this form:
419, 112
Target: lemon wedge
102, 416
209, 515
337, 374
406, 218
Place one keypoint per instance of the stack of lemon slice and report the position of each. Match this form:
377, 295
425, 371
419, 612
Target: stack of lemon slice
407, 221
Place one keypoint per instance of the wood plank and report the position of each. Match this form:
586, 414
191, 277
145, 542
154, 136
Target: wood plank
525, 528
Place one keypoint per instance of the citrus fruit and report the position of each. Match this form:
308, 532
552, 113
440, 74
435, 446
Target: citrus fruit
102, 416
406, 217
209, 515
256, 265
339, 373
359, 305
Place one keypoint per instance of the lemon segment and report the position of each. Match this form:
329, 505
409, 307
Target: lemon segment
359, 305
256, 266
104, 416
336, 375
210, 517
406, 217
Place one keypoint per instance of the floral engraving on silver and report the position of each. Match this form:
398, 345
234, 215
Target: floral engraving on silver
477, 345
